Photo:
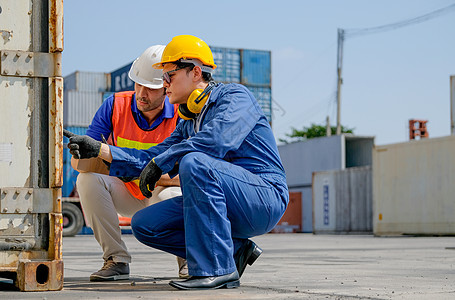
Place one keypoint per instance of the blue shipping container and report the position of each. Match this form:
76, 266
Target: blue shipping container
264, 97
120, 80
107, 95
228, 64
256, 67
249, 67
69, 174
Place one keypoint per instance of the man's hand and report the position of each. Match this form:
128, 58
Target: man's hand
149, 176
82, 146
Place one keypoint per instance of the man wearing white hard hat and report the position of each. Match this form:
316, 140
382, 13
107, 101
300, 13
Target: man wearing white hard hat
135, 119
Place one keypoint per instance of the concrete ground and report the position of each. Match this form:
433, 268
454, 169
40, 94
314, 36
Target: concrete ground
293, 266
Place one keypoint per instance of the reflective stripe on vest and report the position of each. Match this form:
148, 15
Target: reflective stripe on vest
126, 132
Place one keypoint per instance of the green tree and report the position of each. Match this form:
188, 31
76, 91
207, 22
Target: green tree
312, 132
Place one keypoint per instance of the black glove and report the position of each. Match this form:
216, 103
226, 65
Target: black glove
149, 176
127, 179
82, 146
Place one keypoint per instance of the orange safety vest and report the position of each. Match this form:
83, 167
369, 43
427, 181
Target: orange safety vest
126, 133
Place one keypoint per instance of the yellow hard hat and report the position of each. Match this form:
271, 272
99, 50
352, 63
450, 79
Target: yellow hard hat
186, 47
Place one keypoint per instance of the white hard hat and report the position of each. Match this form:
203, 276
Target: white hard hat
142, 71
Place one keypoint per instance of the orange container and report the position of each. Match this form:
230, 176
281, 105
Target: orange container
292, 218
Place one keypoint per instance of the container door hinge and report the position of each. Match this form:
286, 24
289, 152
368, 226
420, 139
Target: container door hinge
30, 64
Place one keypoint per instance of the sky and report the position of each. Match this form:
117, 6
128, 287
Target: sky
388, 77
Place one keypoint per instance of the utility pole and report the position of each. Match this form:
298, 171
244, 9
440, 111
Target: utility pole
452, 105
340, 79
342, 34
328, 129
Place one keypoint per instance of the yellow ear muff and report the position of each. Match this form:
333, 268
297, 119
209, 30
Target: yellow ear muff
196, 102
184, 113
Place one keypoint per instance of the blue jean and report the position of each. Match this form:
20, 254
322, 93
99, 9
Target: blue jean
222, 205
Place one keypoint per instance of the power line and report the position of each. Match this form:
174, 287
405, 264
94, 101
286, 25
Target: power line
345, 33
349, 33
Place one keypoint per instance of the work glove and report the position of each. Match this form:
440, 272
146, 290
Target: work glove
82, 146
149, 176
127, 179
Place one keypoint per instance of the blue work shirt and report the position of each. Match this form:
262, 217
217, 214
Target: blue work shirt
102, 121
231, 127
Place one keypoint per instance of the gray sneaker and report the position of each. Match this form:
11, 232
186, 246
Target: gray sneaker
111, 271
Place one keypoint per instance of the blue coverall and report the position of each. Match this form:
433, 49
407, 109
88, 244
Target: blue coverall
233, 183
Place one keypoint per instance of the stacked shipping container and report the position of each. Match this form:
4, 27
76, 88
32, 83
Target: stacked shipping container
251, 68
83, 95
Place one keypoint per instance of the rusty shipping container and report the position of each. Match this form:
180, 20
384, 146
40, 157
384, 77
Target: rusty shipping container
31, 98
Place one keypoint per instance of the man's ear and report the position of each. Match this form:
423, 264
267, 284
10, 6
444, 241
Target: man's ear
197, 73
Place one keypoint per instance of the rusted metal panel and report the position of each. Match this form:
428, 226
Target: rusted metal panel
56, 132
56, 236
31, 148
30, 64
16, 142
16, 200
10, 259
40, 275
413, 187
15, 24
55, 26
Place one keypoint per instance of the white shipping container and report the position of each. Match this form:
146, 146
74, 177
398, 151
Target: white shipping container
342, 201
335, 152
80, 107
88, 81
413, 187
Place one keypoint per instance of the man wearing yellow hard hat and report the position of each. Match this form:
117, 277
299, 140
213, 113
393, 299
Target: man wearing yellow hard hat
232, 179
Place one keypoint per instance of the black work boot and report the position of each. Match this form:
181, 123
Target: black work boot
247, 254
111, 271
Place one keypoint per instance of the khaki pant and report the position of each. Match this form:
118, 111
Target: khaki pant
102, 197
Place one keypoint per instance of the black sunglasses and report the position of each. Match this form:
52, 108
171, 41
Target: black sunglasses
166, 76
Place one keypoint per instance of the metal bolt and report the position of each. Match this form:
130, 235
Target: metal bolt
18, 72
5, 53
18, 54
30, 73
22, 231
29, 210
5, 209
17, 210
5, 71
30, 55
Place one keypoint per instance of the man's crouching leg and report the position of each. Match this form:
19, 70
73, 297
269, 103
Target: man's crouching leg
102, 198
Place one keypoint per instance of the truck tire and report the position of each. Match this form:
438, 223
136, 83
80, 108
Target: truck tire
73, 220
